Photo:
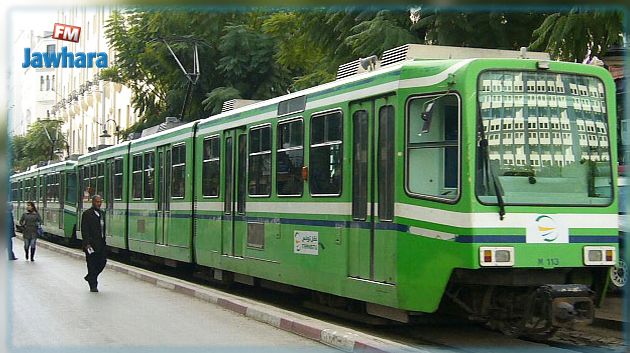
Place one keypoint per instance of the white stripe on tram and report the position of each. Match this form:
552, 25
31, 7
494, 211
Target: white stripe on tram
511, 220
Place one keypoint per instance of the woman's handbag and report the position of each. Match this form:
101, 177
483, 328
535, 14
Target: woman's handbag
40, 230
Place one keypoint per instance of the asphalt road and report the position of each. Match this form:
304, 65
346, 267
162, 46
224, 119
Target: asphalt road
51, 309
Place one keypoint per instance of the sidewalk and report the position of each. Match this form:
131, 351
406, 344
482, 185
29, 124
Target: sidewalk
315, 330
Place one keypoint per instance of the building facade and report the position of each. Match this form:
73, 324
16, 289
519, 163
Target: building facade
87, 105
34, 87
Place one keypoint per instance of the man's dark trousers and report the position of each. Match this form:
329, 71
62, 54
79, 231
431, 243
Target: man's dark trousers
93, 233
95, 265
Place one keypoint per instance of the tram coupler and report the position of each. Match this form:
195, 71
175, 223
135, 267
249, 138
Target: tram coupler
566, 304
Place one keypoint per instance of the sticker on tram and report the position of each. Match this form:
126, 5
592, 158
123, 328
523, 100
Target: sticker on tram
545, 229
306, 242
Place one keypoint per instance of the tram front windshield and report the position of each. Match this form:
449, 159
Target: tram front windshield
547, 139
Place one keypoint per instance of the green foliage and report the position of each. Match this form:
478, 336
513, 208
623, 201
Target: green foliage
263, 54
496, 30
36, 146
385, 30
569, 36
214, 100
233, 52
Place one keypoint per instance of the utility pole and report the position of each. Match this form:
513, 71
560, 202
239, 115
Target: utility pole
52, 142
192, 76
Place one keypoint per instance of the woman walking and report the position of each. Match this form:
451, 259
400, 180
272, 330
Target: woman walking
31, 221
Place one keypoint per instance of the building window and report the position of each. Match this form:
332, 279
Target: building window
47, 83
211, 175
290, 158
259, 183
50, 49
326, 154
41, 83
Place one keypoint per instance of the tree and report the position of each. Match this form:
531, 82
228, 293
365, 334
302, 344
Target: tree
570, 36
495, 29
236, 54
262, 54
37, 145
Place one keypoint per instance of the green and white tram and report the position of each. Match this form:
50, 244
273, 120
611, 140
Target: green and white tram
478, 183
53, 189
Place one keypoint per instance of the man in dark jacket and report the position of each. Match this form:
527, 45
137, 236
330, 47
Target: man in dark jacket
93, 234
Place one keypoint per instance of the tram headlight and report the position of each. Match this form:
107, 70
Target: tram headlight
502, 256
595, 256
496, 256
599, 255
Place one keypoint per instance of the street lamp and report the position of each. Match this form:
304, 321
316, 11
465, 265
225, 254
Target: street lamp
53, 139
106, 134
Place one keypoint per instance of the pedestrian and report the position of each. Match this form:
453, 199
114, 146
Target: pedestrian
31, 223
93, 233
11, 232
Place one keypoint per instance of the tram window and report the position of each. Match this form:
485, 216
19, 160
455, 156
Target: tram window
41, 185
211, 175
386, 157
433, 156
241, 172
83, 184
55, 190
53, 187
100, 179
326, 154
71, 188
93, 174
48, 188
179, 171
136, 182
259, 183
37, 189
118, 179
229, 190
149, 175
359, 164
290, 158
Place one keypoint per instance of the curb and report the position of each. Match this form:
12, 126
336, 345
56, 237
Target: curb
329, 334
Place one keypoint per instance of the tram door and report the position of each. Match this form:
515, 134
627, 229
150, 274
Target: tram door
234, 221
163, 196
373, 185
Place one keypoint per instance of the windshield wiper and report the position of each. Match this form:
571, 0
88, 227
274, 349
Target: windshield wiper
487, 168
